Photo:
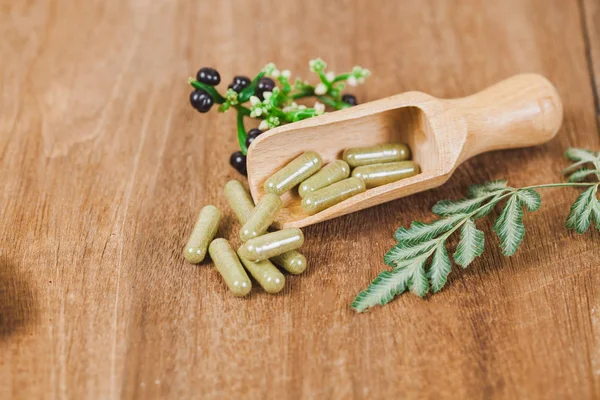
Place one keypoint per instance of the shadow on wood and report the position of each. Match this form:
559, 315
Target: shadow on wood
18, 306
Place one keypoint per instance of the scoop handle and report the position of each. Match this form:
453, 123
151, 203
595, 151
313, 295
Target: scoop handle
524, 110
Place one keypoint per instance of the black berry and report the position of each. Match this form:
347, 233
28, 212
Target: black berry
264, 85
252, 134
238, 161
210, 76
201, 100
239, 83
350, 99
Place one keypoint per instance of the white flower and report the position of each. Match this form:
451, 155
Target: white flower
302, 107
319, 108
320, 89
330, 76
286, 73
317, 65
264, 125
352, 81
275, 73
267, 95
254, 100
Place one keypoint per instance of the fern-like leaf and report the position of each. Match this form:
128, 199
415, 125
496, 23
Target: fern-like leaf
420, 232
419, 284
575, 154
471, 244
462, 206
596, 212
530, 199
581, 174
404, 251
509, 226
579, 217
488, 187
387, 285
440, 268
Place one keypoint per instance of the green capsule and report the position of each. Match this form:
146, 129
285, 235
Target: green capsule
331, 173
204, 231
381, 153
292, 261
330, 195
265, 273
228, 265
382, 174
272, 244
293, 173
262, 217
239, 200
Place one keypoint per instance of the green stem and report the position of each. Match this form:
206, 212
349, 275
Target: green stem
241, 133
551, 185
208, 89
241, 109
338, 105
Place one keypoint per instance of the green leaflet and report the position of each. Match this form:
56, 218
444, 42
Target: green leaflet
419, 284
480, 190
579, 217
529, 198
387, 285
404, 251
596, 212
575, 154
419, 232
509, 226
439, 269
581, 174
462, 206
488, 207
471, 244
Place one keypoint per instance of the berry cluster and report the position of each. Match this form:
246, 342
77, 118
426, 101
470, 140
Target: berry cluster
272, 99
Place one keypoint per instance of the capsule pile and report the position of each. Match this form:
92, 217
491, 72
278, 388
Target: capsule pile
319, 187
362, 168
260, 251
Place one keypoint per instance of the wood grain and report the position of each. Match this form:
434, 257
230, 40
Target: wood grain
104, 167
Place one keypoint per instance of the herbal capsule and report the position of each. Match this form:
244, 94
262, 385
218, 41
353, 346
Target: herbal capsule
292, 261
228, 265
293, 173
381, 174
239, 200
266, 274
331, 195
381, 153
204, 231
262, 217
272, 244
331, 173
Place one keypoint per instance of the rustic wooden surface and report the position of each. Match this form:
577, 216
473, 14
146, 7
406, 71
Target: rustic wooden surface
104, 166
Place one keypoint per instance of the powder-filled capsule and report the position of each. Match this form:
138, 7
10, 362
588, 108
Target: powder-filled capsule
272, 244
239, 200
292, 261
331, 173
381, 153
262, 217
293, 173
228, 265
204, 231
265, 273
242, 205
382, 174
331, 195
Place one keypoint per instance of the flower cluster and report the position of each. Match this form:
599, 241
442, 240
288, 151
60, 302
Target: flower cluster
273, 103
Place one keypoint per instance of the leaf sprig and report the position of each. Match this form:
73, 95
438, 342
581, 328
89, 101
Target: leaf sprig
420, 260
278, 106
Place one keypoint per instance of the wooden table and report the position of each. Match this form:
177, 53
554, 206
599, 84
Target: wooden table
104, 166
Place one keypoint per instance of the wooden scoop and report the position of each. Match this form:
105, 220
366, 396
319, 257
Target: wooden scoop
521, 111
